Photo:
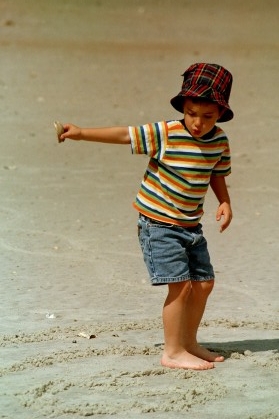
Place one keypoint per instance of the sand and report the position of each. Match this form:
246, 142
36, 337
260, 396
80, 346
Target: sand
70, 260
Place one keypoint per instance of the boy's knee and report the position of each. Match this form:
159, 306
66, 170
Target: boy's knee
180, 289
204, 287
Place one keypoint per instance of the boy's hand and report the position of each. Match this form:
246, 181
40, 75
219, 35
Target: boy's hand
224, 212
71, 131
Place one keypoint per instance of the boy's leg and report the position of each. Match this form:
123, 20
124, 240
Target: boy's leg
195, 307
175, 313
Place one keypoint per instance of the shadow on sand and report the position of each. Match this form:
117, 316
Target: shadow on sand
255, 345
228, 348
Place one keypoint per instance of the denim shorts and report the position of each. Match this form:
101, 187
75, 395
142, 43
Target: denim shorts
173, 253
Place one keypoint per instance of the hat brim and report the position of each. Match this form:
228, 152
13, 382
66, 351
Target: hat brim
214, 96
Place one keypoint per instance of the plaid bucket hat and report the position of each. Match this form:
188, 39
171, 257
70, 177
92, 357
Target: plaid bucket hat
208, 81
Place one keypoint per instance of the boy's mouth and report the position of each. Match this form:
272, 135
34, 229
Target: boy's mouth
196, 132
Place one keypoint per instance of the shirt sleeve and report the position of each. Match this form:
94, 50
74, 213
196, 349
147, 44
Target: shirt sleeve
223, 166
148, 139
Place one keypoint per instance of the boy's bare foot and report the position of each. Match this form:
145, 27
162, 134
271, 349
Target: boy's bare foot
205, 354
186, 361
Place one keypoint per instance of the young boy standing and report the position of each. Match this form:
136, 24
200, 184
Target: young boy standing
186, 156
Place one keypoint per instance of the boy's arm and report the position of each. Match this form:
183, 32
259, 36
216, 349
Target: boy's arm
110, 135
219, 187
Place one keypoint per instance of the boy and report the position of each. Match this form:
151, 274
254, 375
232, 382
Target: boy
186, 156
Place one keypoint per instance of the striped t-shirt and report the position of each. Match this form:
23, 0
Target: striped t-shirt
179, 170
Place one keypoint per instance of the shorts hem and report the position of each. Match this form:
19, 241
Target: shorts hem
165, 281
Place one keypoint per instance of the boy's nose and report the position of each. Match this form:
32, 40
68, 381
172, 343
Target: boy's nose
198, 122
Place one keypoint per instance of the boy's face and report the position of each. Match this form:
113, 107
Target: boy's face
200, 117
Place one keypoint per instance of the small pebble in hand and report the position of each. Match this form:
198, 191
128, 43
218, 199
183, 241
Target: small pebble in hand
59, 130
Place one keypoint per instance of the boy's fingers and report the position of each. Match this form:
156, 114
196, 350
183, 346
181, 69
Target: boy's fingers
219, 215
226, 222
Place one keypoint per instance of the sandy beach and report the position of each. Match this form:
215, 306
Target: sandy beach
70, 260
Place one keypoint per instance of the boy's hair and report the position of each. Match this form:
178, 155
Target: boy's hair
203, 100
206, 81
